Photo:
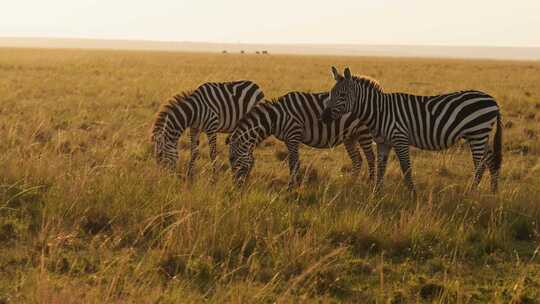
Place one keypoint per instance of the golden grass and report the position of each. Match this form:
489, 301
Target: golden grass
85, 215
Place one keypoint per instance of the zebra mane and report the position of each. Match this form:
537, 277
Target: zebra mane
272, 100
368, 82
178, 98
162, 116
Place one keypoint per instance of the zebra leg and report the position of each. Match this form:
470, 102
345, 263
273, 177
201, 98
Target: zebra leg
492, 171
294, 164
402, 152
367, 147
478, 150
212, 138
382, 159
194, 135
354, 154
479, 169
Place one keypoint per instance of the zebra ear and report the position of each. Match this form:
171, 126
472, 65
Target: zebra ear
347, 73
336, 75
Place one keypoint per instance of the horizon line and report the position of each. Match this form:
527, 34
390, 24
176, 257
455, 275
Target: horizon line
269, 43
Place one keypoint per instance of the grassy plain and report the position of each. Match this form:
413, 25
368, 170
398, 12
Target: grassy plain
87, 217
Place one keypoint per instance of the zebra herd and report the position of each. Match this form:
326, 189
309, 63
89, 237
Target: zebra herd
356, 111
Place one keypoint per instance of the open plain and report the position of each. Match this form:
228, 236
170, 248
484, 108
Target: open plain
87, 216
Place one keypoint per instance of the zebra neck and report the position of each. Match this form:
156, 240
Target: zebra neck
260, 126
187, 112
369, 109
178, 120
172, 131
249, 139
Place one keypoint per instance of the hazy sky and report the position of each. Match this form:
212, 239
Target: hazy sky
435, 22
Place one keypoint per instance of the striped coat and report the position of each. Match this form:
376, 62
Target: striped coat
399, 120
212, 108
295, 119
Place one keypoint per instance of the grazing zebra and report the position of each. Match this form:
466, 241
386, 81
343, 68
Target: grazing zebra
212, 108
399, 120
295, 119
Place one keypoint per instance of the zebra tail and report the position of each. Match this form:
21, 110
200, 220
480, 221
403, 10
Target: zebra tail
497, 145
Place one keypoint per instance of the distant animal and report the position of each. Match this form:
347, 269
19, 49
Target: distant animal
265, 52
224, 52
257, 52
211, 108
400, 120
242, 52
295, 119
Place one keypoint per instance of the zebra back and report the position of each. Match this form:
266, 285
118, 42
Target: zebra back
229, 101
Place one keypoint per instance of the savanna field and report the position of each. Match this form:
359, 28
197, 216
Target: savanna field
86, 216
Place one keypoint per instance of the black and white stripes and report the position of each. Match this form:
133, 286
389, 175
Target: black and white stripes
356, 111
399, 120
212, 108
295, 119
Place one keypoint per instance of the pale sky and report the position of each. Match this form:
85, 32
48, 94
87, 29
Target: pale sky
435, 22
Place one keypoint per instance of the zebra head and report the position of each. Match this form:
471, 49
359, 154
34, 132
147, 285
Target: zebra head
165, 151
342, 96
241, 160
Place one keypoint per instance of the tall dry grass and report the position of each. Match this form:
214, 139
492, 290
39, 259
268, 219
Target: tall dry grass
85, 215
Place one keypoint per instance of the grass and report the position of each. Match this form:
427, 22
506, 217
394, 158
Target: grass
86, 216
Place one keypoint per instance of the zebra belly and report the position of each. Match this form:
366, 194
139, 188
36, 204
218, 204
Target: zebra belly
324, 140
423, 133
225, 130
433, 148
433, 142
324, 136
324, 145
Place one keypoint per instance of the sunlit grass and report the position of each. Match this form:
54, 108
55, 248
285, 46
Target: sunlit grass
86, 216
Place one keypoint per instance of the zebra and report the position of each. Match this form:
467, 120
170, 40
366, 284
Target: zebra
214, 107
295, 119
399, 120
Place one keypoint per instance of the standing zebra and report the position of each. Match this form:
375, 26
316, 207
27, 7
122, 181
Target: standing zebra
295, 119
398, 120
212, 108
